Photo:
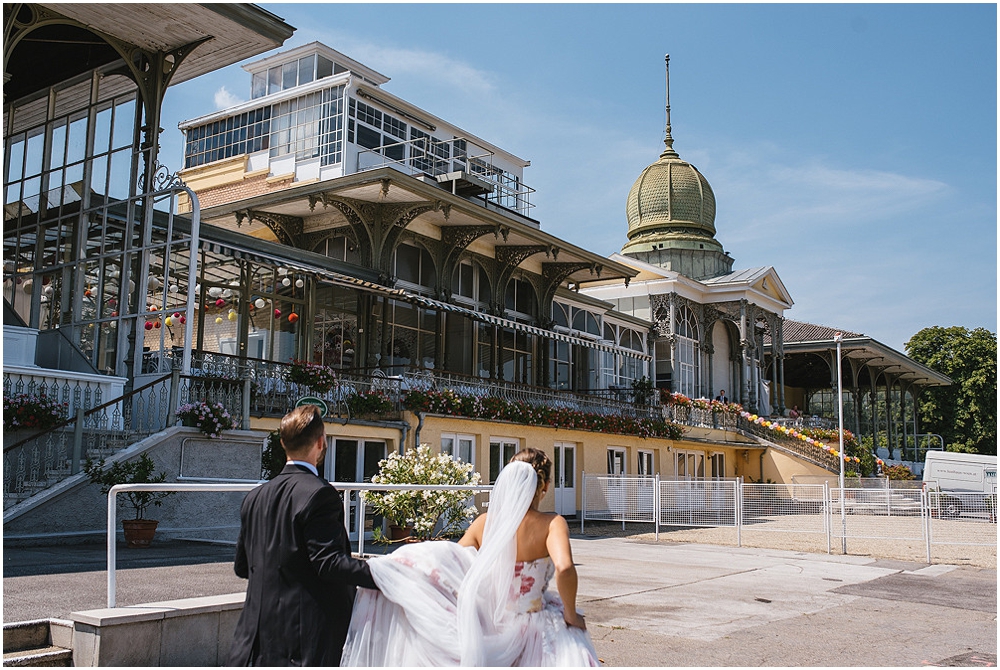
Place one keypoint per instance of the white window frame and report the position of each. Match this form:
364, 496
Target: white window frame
510, 445
456, 439
717, 458
645, 469
619, 454
691, 460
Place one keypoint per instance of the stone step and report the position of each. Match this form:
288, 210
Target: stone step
25, 635
39, 643
49, 656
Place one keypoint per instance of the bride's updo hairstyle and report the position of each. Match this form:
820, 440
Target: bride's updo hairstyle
538, 460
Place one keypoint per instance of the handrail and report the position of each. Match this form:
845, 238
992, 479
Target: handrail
90, 411
113, 523
343, 486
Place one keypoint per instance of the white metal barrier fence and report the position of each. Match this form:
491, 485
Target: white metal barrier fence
700, 502
344, 487
884, 513
961, 518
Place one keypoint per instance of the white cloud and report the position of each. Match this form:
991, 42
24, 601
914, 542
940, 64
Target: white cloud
224, 99
760, 195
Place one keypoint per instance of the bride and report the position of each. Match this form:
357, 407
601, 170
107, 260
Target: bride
485, 600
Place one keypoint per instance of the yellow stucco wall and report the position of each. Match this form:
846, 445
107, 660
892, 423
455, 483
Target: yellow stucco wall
781, 467
741, 458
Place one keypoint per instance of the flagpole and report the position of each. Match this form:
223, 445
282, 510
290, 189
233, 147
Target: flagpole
838, 338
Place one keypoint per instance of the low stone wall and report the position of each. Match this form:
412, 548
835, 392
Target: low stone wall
188, 632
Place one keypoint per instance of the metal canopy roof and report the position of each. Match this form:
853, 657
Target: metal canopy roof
57, 51
221, 241
806, 338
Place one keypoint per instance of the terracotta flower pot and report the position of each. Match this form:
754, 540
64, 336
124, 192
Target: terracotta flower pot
139, 532
397, 533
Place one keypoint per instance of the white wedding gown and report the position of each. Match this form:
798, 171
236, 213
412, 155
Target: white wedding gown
442, 604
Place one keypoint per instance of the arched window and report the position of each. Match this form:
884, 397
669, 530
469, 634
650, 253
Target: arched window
586, 322
560, 314
415, 266
520, 297
687, 353
470, 284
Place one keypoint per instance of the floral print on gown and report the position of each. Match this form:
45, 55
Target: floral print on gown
413, 619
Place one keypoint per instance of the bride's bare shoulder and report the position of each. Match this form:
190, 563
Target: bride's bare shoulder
474, 533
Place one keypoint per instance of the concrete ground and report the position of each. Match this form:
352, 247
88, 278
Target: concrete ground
646, 604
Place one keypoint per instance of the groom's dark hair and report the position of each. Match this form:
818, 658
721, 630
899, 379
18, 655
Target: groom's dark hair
538, 460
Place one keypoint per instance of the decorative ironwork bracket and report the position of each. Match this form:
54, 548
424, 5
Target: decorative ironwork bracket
287, 229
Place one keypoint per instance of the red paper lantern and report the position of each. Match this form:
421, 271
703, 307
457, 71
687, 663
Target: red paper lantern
277, 313
149, 325
293, 317
220, 302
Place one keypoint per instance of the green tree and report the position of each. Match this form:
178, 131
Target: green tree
965, 413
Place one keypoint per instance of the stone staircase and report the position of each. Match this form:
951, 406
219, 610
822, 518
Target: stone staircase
41, 643
105, 446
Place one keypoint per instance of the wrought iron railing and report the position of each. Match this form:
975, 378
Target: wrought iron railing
36, 462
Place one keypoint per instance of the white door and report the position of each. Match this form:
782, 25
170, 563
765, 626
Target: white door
564, 478
355, 461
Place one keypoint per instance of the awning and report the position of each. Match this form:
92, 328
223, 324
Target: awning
331, 277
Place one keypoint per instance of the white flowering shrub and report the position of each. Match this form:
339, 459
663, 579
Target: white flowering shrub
422, 509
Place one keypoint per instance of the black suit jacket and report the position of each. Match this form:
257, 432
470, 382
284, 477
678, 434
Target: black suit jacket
293, 548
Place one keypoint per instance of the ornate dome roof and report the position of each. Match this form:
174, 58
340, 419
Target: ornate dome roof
671, 197
671, 215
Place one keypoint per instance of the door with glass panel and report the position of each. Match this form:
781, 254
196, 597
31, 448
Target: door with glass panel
564, 478
355, 461
690, 466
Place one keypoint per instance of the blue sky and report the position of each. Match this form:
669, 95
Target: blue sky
853, 147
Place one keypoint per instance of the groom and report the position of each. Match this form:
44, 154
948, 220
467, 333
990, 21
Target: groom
294, 549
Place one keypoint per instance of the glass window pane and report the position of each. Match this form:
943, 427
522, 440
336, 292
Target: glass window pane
324, 67
374, 452
102, 131
77, 147
99, 175
33, 162
121, 167
288, 75
57, 149
465, 449
15, 162
345, 465
273, 80
306, 67
368, 138
124, 122
408, 263
258, 87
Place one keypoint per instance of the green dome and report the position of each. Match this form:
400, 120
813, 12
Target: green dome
672, 198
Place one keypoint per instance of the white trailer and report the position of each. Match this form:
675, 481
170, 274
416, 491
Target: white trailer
953, 471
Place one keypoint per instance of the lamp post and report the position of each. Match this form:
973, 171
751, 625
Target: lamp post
838, 338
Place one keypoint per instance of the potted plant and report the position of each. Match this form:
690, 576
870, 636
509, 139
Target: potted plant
420, 511
319, 378
32, 413
209, 418
139, 530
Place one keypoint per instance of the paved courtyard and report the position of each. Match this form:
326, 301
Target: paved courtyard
646, 603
